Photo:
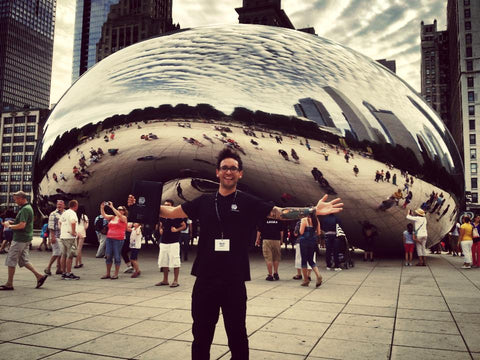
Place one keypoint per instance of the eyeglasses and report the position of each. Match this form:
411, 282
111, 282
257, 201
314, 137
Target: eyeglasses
231, 168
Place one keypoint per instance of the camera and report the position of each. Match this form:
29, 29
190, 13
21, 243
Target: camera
105, 203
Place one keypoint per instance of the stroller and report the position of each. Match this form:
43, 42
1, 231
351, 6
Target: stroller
344, 249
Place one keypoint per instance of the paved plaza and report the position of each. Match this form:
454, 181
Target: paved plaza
377, 310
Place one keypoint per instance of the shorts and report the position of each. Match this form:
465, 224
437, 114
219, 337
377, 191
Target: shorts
68, 247
8, 236
272, 250
56, 251
17, 254
409, 247
169, 255
134, 254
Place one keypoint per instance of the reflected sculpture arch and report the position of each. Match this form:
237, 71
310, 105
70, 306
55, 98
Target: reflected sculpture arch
173, 102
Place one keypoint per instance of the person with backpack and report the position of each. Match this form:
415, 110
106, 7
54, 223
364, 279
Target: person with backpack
101, 229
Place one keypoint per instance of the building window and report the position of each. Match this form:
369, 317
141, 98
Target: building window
29, 158
467, 13
5, 158
475, 197
470, 81
16, 167
7, 139
7, 130
469, 52
27, 188
473, 139
474, 183
30, 138
30, 148
468, 38
15, 177
4, 168
8, 120
471, 96
19, 119
471, 109
17, 158
469, 65
17, 148
466, 2
27, 177
27, 168
19, 129
31, 128
32, 119
471, 124
3, 188
473, 168
468, 25
14, 187
6, 149
4, 178
18, 139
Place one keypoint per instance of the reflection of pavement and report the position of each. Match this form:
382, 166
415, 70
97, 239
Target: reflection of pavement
267, 174
361, 313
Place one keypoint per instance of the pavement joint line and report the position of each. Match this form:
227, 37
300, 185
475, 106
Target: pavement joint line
343, 308
423, 348
451, 313
396, 311
80, 352
461, 272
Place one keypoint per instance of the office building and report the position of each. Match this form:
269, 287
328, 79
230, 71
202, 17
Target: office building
266, 12
463, 26
26, 49
19, 130
435, 68
90, 15
389, 64
126, 18
131, 21
314, 110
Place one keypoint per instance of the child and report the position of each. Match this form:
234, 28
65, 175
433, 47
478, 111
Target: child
409, 244
135, 245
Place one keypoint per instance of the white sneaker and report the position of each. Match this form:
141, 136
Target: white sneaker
407, 264
466, 267
328, 269
338, 269
129, 269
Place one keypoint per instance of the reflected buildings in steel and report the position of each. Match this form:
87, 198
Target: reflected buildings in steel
170, 100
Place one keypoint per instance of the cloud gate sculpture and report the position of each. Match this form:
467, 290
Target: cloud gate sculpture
161, 110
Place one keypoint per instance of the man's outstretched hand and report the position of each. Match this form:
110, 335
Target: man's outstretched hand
330, 207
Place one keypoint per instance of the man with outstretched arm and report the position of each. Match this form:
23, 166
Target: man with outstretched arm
227, 220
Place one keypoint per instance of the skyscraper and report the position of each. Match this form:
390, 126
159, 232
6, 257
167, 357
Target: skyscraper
435, 68
131, 21
389, 64
26, 49
90, 15
266, 12
463, 26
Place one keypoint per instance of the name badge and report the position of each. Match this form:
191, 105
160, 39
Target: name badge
222, 244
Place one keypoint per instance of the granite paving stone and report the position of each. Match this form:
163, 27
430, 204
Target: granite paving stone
369, 312
349, 349
121, 345
408, 353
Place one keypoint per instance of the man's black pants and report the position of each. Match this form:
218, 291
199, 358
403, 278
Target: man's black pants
208, 297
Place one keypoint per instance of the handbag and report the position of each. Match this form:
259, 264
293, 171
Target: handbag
475, 233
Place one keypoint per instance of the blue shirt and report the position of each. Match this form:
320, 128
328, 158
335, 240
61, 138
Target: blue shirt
408, 237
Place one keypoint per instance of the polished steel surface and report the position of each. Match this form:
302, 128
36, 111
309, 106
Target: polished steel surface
275, 82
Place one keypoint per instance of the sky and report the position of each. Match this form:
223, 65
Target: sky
377, 28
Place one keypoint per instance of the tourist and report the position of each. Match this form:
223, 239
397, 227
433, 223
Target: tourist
81, 234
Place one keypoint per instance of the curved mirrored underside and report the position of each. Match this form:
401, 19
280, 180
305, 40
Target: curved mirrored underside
162, 109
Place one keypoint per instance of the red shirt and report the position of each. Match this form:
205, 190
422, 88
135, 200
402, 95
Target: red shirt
116, 230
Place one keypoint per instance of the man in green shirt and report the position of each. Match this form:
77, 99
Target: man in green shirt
22, 229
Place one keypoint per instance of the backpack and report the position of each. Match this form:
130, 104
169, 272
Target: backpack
99, 224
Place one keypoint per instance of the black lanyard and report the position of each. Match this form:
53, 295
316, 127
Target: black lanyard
218, 213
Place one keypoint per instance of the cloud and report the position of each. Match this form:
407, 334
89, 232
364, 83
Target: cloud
377, 28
